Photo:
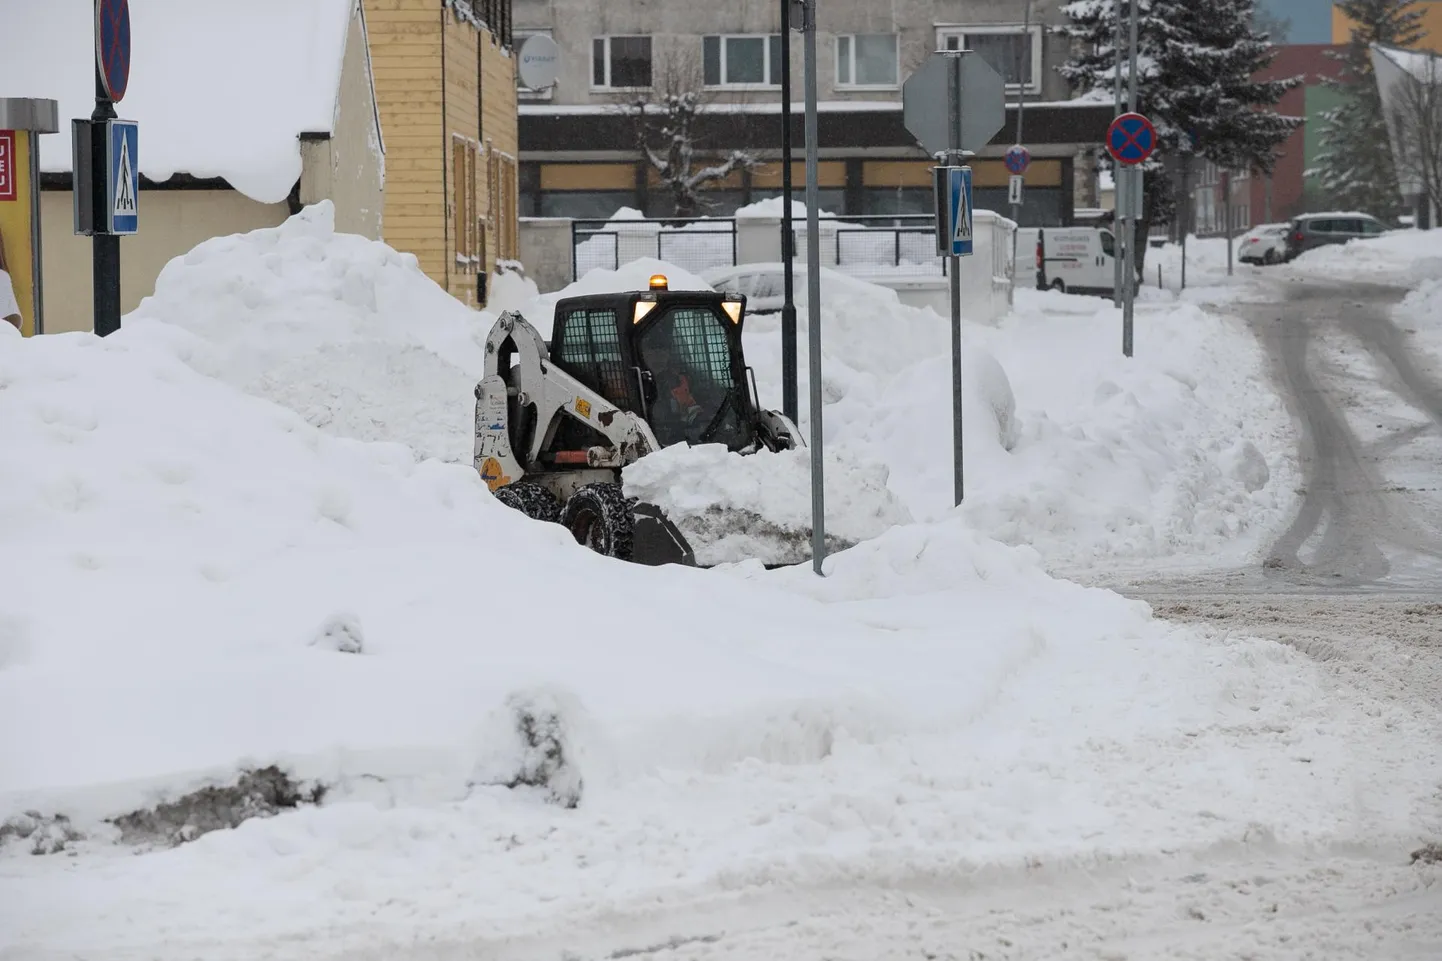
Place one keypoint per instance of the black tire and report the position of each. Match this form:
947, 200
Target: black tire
1271, 257
531, 499
599, 517
1059, 286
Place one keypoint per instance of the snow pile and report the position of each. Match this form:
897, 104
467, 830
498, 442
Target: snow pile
1398, 257
215, 611
733, 508
241, 124
1182, 452
776, 207
345, 331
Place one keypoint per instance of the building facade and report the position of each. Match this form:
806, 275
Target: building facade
1255, 199
1431, 11
445, 83
202, 174
579, 154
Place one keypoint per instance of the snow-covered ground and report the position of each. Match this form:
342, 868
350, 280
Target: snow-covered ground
1401, 257
212, 564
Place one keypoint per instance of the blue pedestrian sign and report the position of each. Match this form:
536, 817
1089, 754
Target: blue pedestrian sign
122, 177
952, 188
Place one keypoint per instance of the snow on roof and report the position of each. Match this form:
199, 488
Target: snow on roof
220, 89
1421, 64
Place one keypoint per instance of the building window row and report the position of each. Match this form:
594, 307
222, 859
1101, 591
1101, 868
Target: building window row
862, 61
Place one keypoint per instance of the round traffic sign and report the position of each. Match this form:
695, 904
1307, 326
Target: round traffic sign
1131, 138
112, 46
1018, 158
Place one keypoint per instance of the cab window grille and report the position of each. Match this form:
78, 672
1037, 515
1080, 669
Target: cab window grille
590, 349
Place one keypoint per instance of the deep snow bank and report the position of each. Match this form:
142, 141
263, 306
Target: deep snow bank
1183, 453
734, 508
197, 581
1405, 257
345, 331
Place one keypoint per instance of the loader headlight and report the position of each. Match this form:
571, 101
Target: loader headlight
643, 307
733, 310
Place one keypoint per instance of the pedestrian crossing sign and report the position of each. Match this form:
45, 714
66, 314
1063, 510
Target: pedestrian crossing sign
122, 181
959, 203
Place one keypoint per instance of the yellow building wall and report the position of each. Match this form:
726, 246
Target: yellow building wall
16, 221
447, 98
405, 40
1431, 23
172, 223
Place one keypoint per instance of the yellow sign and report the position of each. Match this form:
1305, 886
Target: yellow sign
17, 223
583, 407
491, 474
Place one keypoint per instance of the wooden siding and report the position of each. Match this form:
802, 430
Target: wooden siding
451, 139
405, 40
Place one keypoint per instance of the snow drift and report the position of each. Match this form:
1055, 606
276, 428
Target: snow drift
204, 592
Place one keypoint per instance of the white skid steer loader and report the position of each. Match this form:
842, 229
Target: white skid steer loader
625, 374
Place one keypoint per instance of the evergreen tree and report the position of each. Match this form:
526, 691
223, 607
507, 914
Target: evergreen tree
1194, 82
1355, 169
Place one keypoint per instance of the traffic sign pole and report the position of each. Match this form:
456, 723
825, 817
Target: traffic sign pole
112, 77
951, 131
813, 287
1130, 280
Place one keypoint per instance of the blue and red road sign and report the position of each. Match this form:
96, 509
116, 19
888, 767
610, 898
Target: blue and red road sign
1131, 139
1018, 158
112, 46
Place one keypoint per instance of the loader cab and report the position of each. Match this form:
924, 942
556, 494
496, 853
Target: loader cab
672, 357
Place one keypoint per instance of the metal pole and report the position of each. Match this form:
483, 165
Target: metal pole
1227, 215
954, 266
37, 279
1020, 112
1129, 280
813, 293
105, 249
1116, 167
790, 404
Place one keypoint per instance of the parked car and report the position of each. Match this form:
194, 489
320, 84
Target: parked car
1310, 231
1264, 244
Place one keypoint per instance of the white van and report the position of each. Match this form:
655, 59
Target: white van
1074, 260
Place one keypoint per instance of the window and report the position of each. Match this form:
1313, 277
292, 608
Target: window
1014, 51
687, 352
1242, 219
524, 92
621, 62
1109, 243
866, 60
468, 231
742, 61
590, 349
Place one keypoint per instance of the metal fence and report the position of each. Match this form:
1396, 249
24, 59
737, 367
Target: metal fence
692, 245
902, 244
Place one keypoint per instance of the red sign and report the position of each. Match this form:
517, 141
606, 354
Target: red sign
7, 165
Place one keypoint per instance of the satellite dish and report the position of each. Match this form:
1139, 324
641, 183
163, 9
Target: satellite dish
540, 61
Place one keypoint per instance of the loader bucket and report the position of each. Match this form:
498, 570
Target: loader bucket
656, 540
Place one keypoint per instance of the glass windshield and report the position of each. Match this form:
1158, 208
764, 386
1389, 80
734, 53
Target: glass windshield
695, 398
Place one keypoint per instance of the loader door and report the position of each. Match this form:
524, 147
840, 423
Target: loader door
693, 394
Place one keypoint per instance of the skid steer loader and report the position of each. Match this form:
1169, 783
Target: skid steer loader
625, 374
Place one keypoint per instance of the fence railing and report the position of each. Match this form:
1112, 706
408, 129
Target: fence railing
692, 245
902, 244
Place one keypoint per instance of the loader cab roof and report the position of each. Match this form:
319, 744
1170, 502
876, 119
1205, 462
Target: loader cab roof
672, 356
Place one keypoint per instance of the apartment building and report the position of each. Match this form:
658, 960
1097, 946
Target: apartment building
578, 149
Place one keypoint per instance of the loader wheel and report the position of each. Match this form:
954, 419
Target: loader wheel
599, 517
531, 499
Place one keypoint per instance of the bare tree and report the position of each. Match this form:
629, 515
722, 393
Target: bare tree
1416, 121
665, 120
